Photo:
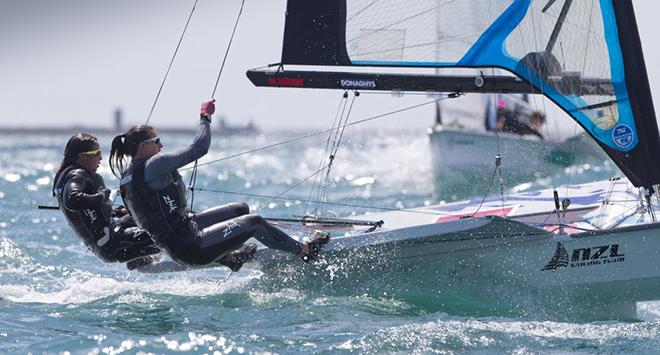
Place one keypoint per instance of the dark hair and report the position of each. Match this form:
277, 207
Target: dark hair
78, 143
126, 145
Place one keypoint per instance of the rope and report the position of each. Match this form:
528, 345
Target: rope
342, 126
313, 134
490, 187
327, 203
575, 124
162, 84
191, 184
293, 186
193, 177
342, 102
323, 191
231, 39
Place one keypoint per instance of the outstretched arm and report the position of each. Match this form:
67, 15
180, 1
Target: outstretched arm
159, 167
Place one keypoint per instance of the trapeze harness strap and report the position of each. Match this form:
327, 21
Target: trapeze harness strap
92, 224
161, 212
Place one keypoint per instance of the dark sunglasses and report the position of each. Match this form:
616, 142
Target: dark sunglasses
155, 139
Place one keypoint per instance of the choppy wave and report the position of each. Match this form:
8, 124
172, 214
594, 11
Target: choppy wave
55, 296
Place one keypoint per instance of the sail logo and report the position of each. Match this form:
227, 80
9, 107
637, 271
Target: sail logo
170, 203
358, 84
623, 136
581, 257
291, 82
560, 259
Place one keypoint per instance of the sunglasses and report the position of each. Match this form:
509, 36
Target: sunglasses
155, 139
92, 152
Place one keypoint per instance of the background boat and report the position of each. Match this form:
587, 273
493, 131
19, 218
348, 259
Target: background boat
463, 149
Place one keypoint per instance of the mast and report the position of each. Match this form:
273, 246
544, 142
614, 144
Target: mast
641, 100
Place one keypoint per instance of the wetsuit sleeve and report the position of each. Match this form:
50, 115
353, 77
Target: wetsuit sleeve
158, 169
74, 196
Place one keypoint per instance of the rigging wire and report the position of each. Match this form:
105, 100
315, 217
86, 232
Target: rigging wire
193, 176
342, 103
276, 197
313, 134
340, 128
231, 39
323, 190
541, 87
498, 159
575, 124
169, 67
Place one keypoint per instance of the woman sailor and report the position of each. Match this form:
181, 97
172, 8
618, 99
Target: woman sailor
83, 199
154, 193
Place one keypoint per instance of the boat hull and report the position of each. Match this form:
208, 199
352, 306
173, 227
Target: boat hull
441, 268
496, 256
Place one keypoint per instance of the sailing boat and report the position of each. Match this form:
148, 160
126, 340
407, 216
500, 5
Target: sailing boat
592, 253
509, 125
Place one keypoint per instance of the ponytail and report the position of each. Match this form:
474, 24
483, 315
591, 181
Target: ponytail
117, 154
77, 144
125, 145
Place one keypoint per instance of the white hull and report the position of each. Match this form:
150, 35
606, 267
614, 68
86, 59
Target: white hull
490, 265
497, 274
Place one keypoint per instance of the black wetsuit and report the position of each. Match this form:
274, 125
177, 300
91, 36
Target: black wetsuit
154, 193
513, 125
89, 213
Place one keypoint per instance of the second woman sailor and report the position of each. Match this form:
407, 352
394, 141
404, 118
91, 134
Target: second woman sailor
154, 193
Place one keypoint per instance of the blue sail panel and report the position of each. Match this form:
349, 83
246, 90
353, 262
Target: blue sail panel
558, 47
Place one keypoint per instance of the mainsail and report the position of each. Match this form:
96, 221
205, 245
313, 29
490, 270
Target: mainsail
583, 55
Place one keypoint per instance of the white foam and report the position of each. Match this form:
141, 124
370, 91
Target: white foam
80, 289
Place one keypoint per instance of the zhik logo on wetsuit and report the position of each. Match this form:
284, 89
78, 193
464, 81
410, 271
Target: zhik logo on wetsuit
600, 255
170, 203
230, 227
91, 214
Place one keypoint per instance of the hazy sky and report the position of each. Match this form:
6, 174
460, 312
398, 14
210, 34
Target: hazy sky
66, 62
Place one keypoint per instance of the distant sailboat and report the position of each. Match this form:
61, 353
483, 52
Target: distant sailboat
247, 129
468, 126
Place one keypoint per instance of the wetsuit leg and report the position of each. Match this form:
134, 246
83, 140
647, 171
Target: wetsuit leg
131, 243
215, 241
220, 214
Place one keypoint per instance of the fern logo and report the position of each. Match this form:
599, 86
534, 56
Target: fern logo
560, 259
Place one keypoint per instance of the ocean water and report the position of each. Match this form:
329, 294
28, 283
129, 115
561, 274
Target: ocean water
56, 297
